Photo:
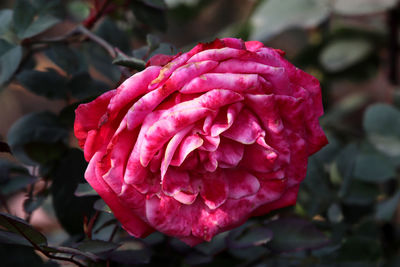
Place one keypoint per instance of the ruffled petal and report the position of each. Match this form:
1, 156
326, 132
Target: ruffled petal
189, 144
242, 184
248, 83
150, 101
246, 129
179, 117
229, 153
88, 119
225, 119
177, 184
130, 222
215, 189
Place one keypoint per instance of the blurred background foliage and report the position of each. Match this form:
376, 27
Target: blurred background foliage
57, 54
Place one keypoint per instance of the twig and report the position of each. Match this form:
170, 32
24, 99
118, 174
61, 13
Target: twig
100, 41
114, 231
91, 224
46, 253
99, 13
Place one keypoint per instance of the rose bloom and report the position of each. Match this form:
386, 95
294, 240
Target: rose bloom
199, 142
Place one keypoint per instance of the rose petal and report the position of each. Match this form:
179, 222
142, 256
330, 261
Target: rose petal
246, 128
130, 89
249, 83
169, 216
180, 117
229, 153
150, 101
189, 144
215, 189
171, 148
277, 77
253, 46
88, 119
224, 120
288, 198
242, 184
177, 184
130, 222
217, 54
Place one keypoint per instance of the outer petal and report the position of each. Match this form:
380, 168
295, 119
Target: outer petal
215, 189
88, 119
130, 222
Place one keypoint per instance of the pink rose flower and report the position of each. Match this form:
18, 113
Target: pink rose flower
199, 142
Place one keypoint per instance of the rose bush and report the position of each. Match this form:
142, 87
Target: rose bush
199, 142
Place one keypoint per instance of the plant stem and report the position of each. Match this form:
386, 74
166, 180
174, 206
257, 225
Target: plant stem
46, 253
100, 41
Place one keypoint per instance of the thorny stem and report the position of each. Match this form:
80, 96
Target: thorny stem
91, 224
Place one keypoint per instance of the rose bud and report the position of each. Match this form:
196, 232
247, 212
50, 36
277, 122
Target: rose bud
199, 142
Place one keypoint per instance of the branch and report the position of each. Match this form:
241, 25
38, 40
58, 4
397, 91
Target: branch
100, 41
46, 253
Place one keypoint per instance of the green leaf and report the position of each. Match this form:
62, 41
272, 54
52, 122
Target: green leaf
67, 58
7, 237
70, 210
110, 32
345, 164
37, 138
274, 16
101, 61
131, 252
342, 54
166, 49
84, 190
21, 227
215, 246
82, 86
153, 42
360, 193
246, 237
33, 203
5, 20
10, 58
382, 125
293, 234
386, 209
359, 249
373, 168
13, 177
130, 62
20, 256
33, 17
335, 214
100, 205
79, 10
49, 84
160, 4
362, 7
97, 246
149, 16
